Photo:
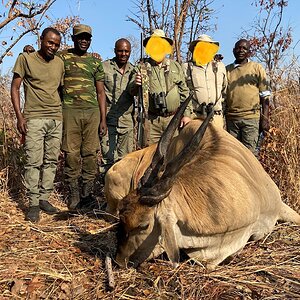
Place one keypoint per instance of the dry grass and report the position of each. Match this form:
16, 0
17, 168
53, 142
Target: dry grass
280, 154
62, 257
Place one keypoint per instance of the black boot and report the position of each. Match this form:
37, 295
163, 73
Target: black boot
33, 214
74, 197
87, 196
48, 208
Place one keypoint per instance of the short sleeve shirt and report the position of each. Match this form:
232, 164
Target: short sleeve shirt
81, 74
41, 81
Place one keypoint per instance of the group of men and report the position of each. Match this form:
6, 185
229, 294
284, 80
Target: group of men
71, 97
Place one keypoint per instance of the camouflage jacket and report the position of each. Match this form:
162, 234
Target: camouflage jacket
81, 72
119, 101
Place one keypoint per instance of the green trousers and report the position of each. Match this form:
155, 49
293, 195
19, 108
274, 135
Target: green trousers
115, 145
157, 125
246, 131
80, 143
42, 146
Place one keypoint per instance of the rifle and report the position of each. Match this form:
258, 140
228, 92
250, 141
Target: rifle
141, 107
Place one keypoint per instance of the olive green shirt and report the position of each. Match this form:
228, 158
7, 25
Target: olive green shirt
119, 100
41, 80
168, 78
81, 73
245, 83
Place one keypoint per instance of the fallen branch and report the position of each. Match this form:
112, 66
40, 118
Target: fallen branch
110, 274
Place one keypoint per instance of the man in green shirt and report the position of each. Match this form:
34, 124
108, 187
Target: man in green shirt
42, 74
164, 81
84, 113
247, 97
119, 140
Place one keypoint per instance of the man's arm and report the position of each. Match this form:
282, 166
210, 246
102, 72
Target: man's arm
264, 97
15, 99
184, 93
264, 123
102, 106
135, 82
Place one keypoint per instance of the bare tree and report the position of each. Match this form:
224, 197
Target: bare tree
24, 17
269, 39
182, 20
64, 26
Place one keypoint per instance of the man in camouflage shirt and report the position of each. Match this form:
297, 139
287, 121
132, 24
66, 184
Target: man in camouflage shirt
119, 140
84, 110
165, 84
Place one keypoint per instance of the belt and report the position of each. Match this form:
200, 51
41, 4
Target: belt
216, 112
165, 115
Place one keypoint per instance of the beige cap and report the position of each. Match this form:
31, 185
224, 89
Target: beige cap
202, 38
158, 33
81, 28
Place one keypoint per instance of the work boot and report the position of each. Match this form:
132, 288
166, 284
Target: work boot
74, 197
87, 196
33, 214
48, 208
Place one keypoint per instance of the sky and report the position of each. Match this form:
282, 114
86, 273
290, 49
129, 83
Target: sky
108, 20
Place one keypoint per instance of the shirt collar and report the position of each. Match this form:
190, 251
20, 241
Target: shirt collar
235, 65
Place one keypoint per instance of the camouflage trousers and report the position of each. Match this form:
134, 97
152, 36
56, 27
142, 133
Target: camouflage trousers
80, 143
246, 131
115, 145
42, 147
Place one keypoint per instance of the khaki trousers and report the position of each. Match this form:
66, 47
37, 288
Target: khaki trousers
42, 147
115, 145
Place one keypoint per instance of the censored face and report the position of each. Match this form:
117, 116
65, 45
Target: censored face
204, 52
157, 48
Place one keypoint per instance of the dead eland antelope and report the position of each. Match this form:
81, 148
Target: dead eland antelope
202, 192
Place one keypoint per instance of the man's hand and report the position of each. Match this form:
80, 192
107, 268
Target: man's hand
21, 125
138, 79
102, 128
28, 49
97, 55
184, 121
264, 124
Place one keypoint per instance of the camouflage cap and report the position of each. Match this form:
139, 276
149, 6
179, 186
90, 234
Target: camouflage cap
81, 28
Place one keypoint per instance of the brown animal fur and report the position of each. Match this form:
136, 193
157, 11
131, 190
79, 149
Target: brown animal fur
220, 200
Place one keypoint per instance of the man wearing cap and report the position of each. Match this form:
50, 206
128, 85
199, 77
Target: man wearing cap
247, 98
119, 140
164, 83
206, 77
84, 115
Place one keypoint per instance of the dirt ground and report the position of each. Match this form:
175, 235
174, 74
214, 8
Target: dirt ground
62, 257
